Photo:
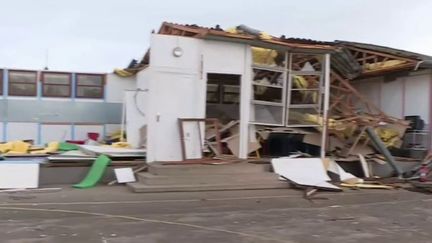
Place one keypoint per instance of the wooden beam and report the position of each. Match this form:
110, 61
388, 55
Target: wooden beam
365, 51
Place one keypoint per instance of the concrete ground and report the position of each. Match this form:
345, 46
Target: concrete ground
113, 214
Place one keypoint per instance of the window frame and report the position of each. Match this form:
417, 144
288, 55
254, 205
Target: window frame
102, 86
225, 92
34, 94
56, 96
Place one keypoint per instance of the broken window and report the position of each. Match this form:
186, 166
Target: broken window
305, 89
264, 57
90, 86
304, 106
286, 88
213, 93
306, 62
56, 84
268, 86
223, 96
267, 114
22, 83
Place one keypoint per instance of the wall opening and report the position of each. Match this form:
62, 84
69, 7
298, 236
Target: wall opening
223, 97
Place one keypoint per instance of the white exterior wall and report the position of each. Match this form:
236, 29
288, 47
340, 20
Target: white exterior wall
81, 131
392, 97
55, 132
111, 128
2, 135
177, 87
116, 86
371, 89
22, 131
176, 90
417, 96
136, 108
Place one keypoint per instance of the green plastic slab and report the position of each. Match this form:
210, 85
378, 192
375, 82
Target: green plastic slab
95, 173
67, 146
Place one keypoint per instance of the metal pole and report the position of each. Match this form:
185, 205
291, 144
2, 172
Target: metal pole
326, 104
383, 150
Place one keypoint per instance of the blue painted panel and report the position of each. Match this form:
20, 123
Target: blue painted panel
59, 111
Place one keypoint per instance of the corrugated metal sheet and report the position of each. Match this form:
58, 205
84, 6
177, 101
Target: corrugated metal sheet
344, 63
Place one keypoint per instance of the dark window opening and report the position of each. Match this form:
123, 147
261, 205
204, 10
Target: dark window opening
223, 88
22, 83
56, 84
90, 86
223, 96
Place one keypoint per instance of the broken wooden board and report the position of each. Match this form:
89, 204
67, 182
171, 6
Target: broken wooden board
303, 171
233, 144
211, 133
366, 170
366, 186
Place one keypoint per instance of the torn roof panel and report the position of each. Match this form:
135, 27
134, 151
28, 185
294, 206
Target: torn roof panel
218, 33
342, 59
385, 49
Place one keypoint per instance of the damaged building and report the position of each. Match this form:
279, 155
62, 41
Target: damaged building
204, 93
279, 83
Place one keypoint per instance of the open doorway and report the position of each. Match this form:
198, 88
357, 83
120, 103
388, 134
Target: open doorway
223, 97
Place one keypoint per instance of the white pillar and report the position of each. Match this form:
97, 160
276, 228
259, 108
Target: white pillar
326, 103
245, 103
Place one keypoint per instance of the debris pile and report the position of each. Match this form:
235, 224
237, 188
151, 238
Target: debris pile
21, 161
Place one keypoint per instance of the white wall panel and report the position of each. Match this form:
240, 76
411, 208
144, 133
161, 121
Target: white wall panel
417, 96
22, 131
55, 132
116, 85
82, 130
162, 57
392, 98
137, 110
224, 57
177, 87
170, 100
111, 128
371, 89
1, 132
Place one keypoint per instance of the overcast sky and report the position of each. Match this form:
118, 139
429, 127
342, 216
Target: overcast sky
100, 35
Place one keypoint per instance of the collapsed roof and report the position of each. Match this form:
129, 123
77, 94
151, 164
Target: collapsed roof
351, 60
